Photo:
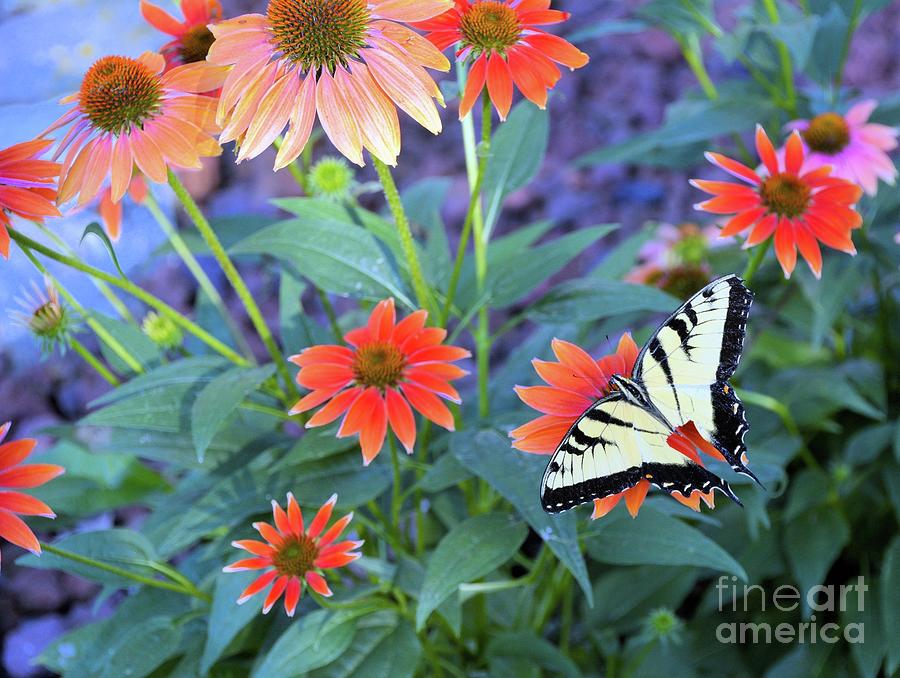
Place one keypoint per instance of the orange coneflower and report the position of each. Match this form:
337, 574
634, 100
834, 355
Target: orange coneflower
129, 113
191, 38
27, 185
387, 367
506, 47
799, 208
576, 382
291, 555
15, 477
348, 61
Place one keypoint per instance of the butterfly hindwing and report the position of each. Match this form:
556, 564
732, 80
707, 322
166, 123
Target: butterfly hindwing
686, 364
613, 446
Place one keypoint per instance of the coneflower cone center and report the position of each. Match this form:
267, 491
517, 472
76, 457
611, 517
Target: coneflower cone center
296, 556
48, 320
195, 44
828, 133
379, 364
785, 195
490, 25
118, 93
319, 34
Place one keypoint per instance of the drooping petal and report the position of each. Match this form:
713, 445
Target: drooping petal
499, 84
318, 584
428, 405
336, 119
401, 418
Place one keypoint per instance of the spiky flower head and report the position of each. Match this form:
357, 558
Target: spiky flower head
162, 331
332, 179
45, 316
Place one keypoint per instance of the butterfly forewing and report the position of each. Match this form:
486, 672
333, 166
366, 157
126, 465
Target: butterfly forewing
686, 364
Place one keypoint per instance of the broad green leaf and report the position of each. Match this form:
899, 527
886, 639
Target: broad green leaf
516, 154
469, 551
867, 443
622, 605
653, 538
336, 256
178, 375
383, 647
860, 617
120, 548
313, 641
812, 542
680, 18
445, 472
534, 650
226, 618
890, 604
604, 28
585, 300
138, 344
517, 476
623, 256
219, 398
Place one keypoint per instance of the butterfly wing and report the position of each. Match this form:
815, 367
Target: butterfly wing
613, 446
686, 364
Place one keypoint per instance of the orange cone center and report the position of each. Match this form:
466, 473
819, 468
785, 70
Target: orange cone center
319, 34
490, 25
379, 364
118, 93
827, 133
785, 195
295, 557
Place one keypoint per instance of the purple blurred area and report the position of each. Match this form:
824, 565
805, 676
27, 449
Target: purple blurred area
624, 90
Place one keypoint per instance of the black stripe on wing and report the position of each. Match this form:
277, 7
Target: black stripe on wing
731, 426
739, 300
682, 478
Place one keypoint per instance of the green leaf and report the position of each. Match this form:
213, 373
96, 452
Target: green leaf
383, 647
653, 538
585, 300
516, 154
138, 344
120, 548
812, 542
311, 642
890, 603
226, 618
219, 398
517, 476
336, 256
469, 551
861, 617
529, 648
445, 472
603, 28
867, 443
97, 231
623, 256
680, 18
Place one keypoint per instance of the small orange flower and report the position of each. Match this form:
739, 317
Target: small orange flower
800, 209
27, 186
506, 48
388, 366
129, 113
191, 38
13, 477
291, 555
576, 382
352, 63
111, 212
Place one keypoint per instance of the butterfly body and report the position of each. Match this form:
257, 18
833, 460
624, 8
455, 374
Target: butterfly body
680, 378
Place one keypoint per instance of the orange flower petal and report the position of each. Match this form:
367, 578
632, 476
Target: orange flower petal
258, 585
322, 517
785, 246
401, 418
499, 84
428, 405
766, 151
551, 400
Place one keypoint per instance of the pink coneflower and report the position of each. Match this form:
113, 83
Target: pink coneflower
347, 61
129, 113
854, 148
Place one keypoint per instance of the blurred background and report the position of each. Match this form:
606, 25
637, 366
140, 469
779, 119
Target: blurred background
46, 45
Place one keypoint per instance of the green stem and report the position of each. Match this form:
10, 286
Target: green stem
102, 333
190, 261
140, 579
694, 57
482, 332
126, 285
105, 289
256, 317
91, 360
396, 500
295, 169
331, 315
755, 260
787, 70
473, 209
392, 195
